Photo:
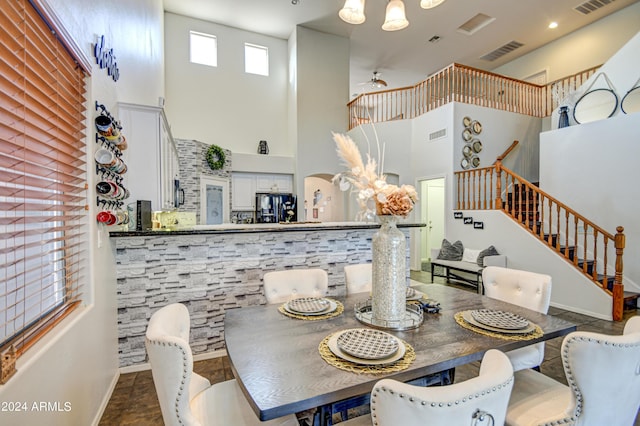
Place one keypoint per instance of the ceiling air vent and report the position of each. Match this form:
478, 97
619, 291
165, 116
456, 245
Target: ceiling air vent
592, 5
475, 24
501, 51
437, 134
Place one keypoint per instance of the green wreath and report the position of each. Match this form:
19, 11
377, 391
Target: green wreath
215, 157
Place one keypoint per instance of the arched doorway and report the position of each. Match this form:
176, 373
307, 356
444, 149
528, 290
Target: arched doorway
323, 201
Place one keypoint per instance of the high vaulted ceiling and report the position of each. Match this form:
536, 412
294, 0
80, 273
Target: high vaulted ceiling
407, 56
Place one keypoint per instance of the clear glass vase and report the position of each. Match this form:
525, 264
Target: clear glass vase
389, 285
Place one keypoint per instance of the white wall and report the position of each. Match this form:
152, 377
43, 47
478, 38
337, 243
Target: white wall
77, 362
593, 168
330, 206
319, 96
570, 289
223, 105
585, 48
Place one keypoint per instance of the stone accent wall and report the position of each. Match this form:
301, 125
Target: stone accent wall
215, 272
193, 164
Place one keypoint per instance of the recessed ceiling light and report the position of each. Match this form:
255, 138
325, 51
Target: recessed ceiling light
553, 25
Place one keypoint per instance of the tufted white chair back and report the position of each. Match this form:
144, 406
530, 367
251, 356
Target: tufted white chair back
167, 342
603, 373
395, 403
523, 288
527, 289
282, 286
358, 278
603, 376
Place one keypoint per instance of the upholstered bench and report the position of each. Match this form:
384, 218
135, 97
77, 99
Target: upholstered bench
472, 262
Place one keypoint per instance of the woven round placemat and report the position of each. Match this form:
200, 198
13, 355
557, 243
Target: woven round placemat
537, 332
339, 309
399, 365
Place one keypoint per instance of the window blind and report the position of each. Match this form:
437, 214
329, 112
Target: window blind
42, 177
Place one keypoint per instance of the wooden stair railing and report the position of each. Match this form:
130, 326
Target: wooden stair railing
460, 83
585, 245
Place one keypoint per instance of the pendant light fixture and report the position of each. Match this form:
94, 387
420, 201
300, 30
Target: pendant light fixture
395, 18
429, 4
353, 12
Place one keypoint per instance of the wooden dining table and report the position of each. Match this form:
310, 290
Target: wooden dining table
276, 361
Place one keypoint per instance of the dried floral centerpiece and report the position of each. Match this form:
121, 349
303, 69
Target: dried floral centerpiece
389, 202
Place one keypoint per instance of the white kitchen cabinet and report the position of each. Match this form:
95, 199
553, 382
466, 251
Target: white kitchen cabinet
278, 183
151, 155
243, 191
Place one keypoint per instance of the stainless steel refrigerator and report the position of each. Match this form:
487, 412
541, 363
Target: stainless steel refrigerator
274, 208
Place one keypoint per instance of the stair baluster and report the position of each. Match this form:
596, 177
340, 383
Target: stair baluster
543, 215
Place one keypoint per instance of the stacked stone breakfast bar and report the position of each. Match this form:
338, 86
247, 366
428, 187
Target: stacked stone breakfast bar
214, 268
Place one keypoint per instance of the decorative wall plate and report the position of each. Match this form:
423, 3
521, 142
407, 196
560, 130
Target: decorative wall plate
476, 145
465, 164
466, 122
476, 127
466, 135
467, 151
475, 161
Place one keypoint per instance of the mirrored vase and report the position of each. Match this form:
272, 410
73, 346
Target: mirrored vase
389, 281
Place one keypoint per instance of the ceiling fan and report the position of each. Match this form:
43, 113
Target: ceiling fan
376, 82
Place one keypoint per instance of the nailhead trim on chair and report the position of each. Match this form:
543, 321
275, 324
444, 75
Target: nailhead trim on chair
571, 380
433, 404
184, 375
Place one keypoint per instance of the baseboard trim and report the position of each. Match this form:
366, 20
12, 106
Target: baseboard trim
106, 399
199, 357
582, 311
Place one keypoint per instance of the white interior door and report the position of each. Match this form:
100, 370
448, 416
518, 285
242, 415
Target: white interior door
435, 216
432, 213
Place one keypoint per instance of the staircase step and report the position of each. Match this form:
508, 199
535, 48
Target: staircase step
610, 280
572, 251
554, 239
589, 263
631, 300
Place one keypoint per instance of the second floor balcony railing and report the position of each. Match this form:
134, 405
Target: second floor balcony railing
460, 83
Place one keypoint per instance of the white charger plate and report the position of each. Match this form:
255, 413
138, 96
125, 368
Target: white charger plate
367, 343
333, 346
466, 315
308, 305
332, 307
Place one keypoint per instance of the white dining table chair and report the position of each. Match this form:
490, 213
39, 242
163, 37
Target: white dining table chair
523, 288
186, 398
284, 285
603, 376
474, 401
358, 278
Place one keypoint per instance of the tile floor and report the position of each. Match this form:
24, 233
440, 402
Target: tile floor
134, 400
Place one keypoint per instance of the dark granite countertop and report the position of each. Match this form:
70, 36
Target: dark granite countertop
230, 228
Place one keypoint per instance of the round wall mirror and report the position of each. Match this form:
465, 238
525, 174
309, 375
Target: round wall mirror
631, 101
595, 105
